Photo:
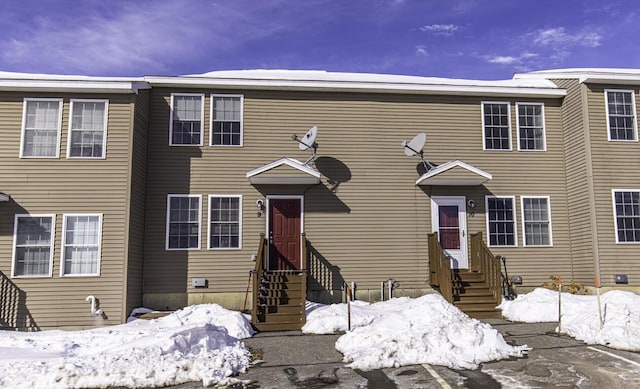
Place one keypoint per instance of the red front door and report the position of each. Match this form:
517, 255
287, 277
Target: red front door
284, 234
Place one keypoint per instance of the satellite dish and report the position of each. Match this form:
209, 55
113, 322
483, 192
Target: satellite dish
308, 141
416, 147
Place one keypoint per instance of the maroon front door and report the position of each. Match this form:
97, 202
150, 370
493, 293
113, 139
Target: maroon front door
284, 234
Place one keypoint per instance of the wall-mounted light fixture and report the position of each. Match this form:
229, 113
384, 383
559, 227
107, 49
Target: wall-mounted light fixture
471, 204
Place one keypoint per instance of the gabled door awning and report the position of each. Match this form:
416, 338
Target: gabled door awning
454, 173
4, 197
284, 171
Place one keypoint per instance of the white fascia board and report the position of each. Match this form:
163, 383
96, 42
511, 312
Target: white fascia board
285, 161
357, 86
73, 86
595, 76
431, 174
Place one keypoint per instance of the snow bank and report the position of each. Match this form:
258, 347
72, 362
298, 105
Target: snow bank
620, 313
198, 343
404, 331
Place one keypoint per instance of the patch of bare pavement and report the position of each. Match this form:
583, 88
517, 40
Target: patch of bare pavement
293, 360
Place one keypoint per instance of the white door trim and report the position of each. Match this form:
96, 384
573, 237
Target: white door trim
460, 258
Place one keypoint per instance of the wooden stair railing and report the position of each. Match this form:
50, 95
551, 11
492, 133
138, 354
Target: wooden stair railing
279, 297
483, 261
257, 274
440, 274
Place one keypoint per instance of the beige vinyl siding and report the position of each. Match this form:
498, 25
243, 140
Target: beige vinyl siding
577, 152
59, 186
137, 180
374, 226
615, 166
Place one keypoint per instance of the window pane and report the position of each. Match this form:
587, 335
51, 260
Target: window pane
621, 115
501, 221
627, 208
81, 246
186, 128
227, 123
224, 231
531, 130
536, 222
33, 246
496, 126
87, 129
42, 128
183, 224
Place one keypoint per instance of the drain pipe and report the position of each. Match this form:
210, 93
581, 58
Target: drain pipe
353, 290
94, 305
390, 287
382, 291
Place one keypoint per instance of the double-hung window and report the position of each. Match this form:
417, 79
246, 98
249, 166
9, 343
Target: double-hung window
501, 221
33, 245
536, 221
183, 222
530, 121
627, 214
496, 124
41, 121
88, 129
81, 245
187, 116
226, 117
225, 222
621, 115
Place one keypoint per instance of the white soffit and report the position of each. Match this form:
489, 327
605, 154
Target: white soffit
437, 176
310, 176
4, 197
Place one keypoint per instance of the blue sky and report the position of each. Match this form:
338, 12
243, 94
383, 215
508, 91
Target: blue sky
473, 39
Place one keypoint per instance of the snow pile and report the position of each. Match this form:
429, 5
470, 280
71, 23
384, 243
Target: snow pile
198, 343
620, 314
405, 331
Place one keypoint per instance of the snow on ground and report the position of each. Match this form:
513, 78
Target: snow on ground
198, 343
580, 319
404, 331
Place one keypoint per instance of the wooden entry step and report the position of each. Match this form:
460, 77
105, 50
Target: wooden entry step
472, 295
281, 301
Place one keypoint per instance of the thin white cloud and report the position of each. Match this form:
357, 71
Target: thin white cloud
134, 36
440, 29
509, 59
558, 37
421, 50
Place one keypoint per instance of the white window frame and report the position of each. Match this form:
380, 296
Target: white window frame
167, 225
171, 108
15, 241
544, 126
212, 114
24, 125
524, 231
484, 134
635, 115
239, 197
515, 221
64, 243
615, 214
104, 131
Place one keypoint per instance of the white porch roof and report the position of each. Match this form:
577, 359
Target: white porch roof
284, 171
454, 173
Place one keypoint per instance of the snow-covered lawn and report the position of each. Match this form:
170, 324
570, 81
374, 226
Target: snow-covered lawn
201, 342
198, 343
580, 319
404, 331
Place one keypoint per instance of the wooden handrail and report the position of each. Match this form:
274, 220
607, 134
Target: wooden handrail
484, 261
440, 268
259, 268
303, 274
